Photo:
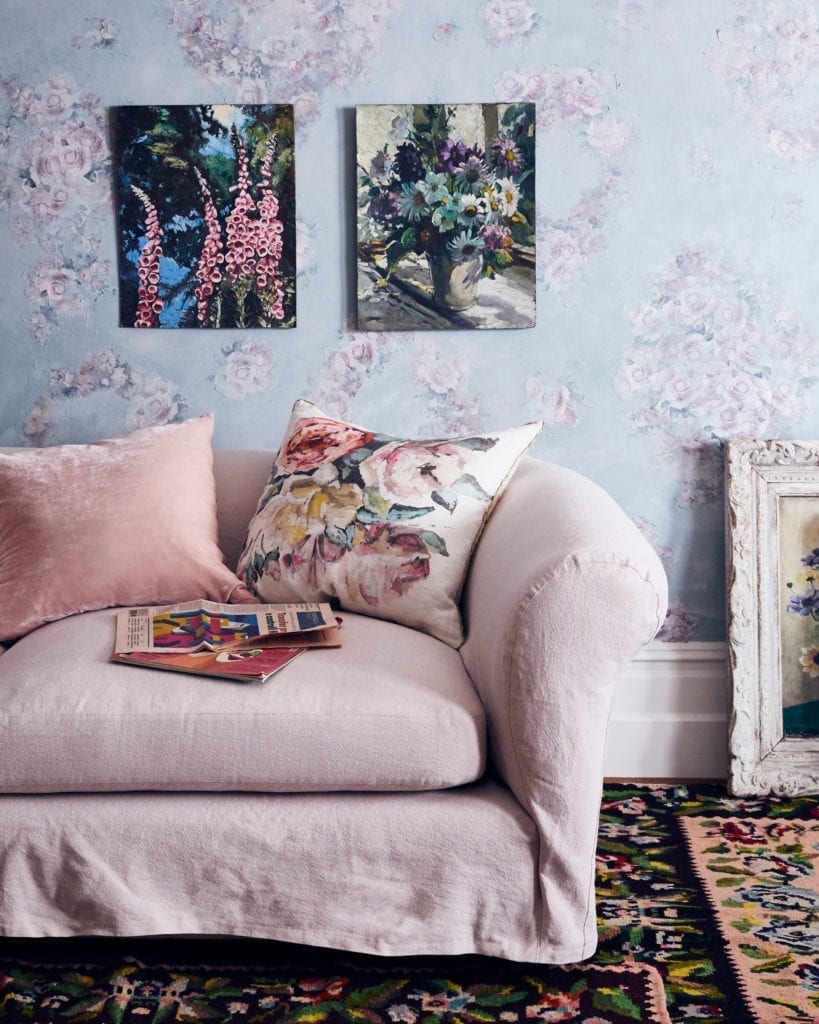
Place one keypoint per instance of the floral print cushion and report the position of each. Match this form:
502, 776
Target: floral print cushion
383, 525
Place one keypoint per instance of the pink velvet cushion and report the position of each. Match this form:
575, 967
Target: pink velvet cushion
125, 521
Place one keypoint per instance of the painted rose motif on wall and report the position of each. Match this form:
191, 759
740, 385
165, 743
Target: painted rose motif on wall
303, 47
349, 366
579, 99
247, 369
152, 399
713, 357
506, 21
56, 180
768, 54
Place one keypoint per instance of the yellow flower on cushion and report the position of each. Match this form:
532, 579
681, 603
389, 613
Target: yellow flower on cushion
305, 507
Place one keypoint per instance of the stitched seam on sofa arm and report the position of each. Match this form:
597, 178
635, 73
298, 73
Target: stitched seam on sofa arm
524, 783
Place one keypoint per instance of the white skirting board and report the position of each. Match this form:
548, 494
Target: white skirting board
670, 714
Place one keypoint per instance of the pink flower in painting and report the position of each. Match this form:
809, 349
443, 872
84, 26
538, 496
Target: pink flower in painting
407, 470
240, 227
268, 241
211, 259
149, 304
317, 440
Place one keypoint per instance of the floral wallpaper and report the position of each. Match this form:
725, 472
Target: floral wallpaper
676, 235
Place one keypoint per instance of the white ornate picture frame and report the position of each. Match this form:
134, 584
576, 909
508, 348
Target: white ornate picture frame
765, 481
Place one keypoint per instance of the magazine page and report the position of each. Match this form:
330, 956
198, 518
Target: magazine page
206, 625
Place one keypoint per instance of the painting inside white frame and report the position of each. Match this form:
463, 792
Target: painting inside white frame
799, 566
772, 506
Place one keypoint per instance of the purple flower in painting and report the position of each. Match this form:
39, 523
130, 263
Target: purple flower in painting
471, 173
812, 559
383, 208
506, 155
495, 237
408, 162
805, 604
451, 154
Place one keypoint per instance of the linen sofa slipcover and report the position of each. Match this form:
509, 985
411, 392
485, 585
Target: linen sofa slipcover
563, 591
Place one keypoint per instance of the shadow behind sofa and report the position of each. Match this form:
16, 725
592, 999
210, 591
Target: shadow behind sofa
395, 796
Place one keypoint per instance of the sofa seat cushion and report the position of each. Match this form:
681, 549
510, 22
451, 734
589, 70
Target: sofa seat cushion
392, 709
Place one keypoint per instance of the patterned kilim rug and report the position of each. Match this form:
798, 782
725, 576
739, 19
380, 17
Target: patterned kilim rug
708, 910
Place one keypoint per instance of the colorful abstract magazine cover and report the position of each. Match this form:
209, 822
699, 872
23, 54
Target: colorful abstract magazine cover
207, 220
246, 664
206, 625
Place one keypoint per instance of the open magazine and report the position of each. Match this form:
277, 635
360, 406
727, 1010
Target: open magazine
243, 642
206, 625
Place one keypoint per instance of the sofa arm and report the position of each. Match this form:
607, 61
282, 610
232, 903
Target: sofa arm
563, 591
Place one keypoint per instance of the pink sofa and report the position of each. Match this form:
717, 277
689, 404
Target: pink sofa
395, 796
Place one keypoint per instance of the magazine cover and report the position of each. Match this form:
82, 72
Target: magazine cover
244, 664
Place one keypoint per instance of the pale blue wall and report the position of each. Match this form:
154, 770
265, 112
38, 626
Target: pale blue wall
678, 159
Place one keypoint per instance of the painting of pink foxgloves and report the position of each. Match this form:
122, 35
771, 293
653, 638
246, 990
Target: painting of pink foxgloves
206, 204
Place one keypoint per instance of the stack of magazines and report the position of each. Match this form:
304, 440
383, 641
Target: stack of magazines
243, 642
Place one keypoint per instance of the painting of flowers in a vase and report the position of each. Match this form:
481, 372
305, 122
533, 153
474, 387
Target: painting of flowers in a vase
799, 634
206, 204
446, 216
